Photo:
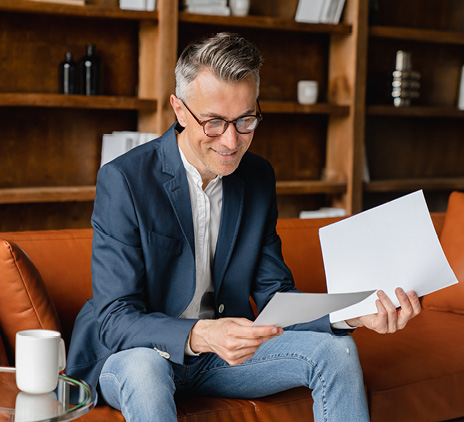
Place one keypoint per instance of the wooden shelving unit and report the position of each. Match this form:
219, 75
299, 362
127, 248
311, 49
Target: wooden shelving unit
310, 146
421, 146
50, 142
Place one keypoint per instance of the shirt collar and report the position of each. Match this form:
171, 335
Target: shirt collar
194, 173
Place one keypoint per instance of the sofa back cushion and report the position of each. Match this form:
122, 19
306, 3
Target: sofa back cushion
452, 241
62, 258
24, 301
3, 356
302, 251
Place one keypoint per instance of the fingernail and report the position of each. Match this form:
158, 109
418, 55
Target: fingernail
380, 293
413, 294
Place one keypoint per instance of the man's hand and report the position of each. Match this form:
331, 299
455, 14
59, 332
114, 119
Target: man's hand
389, 319
232, 339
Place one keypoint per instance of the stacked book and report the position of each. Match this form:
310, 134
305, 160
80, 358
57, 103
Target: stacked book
118, 143
207, 7
319, 11
149, 5
70, 2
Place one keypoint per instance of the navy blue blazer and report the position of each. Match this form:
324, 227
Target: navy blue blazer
143, 255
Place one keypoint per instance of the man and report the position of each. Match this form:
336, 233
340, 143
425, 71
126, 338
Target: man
184, 233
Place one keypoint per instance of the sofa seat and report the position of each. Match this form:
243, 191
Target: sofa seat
412, 367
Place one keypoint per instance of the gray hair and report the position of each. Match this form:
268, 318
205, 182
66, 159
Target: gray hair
228, 56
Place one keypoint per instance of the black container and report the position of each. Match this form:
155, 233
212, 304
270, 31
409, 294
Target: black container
89, 72
67, 75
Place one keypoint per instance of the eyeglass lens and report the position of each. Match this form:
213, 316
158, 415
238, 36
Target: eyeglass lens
244, 125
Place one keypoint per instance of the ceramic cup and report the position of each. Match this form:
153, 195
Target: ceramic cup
307, 92
40, 356
36, 407
239, 7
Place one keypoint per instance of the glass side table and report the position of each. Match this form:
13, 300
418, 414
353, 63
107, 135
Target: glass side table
70, 400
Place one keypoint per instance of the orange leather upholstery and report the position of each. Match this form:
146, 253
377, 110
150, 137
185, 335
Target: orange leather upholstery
414, 375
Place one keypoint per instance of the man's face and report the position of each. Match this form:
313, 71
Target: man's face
210, 98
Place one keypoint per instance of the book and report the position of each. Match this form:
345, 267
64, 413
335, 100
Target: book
209, 10
120, 142
310, 11
69, 2
339, 11
132, 4
151, 5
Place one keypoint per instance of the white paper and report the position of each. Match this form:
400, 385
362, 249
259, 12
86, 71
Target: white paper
392, 245
286, 309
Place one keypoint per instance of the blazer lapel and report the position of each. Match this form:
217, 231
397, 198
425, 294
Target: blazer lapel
232, 210
177, 188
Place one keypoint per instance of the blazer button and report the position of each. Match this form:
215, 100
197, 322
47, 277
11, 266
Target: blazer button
221, 308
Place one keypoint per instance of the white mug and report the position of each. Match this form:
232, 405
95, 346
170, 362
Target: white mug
307, 92
239, 7
37, 407
40, 356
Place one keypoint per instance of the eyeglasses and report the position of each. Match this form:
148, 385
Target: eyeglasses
217, 126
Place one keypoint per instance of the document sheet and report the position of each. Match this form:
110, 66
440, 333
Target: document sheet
392, 245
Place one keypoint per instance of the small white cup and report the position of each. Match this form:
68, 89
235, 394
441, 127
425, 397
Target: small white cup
37, 407
239, 7
307, 92
40, 356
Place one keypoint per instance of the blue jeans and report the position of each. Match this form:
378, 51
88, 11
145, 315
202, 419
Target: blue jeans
142, 384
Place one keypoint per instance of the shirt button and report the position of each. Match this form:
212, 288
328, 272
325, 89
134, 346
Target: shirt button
221, 308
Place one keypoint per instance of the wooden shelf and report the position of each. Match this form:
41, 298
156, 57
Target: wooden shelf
47, 194
413, 34
414, 111
304, 187
265, 22
286, 107
88, 11
443, 183
102, 102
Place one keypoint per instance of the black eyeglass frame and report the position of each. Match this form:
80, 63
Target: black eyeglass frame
258, 116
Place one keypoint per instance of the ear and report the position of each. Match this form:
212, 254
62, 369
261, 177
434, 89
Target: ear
176, 105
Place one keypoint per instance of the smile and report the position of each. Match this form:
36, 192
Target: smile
225, 153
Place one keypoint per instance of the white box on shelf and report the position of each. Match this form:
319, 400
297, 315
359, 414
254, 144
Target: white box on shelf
310, 11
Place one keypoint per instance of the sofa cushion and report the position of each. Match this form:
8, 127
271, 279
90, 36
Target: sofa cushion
24, 301
416, 374
452, 241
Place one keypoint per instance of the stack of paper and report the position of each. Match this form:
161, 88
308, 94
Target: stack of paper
118, 143
207, 7
319, 11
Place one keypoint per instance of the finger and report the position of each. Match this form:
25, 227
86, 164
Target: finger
253, 332
407, 311
415, 302
381, 322
392, 313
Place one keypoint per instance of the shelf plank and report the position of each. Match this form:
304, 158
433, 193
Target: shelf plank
414, 34
76, 101
304, 187
443, 183
47, 194
286, 107
87, 11
265, 22
414, 111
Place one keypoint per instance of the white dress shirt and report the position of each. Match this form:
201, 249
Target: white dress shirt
206, 213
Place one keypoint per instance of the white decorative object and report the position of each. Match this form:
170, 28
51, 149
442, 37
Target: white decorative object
239, 7
461, 91
307, 92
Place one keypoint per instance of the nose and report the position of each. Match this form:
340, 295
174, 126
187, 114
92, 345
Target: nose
229, 138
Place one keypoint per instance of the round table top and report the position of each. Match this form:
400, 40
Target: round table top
70, 400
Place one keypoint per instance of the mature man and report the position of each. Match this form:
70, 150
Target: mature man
184, 234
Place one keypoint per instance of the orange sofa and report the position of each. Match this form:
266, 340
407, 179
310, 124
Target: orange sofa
414, 375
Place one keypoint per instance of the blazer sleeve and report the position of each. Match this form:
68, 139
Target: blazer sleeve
119, 276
